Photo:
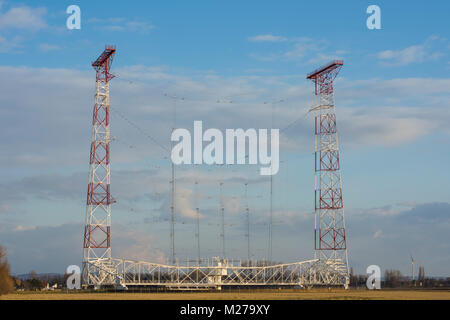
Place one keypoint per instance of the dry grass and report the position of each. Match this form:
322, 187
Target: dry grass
243, 295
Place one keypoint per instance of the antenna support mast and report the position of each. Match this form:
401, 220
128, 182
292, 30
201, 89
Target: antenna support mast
97, 230
330, 242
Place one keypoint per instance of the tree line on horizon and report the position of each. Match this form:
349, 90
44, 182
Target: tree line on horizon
395, 279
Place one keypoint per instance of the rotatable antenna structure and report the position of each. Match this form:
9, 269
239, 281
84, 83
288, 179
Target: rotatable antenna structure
97, 230
329, 226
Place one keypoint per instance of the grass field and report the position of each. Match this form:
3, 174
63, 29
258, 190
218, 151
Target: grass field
243, 295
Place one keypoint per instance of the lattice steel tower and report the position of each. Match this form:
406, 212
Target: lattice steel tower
97, 232
329, 226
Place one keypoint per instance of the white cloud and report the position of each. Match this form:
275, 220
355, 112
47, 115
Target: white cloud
412, 54
391, 112
405, 56
383, 211
265, 56
382, 126
296, 49
378, 234
122, 24
113, 28
23, 17
322, 58
183, 203
300, 50
20, 228
45, 47
7, 45
139, 26
136, 245
267, 38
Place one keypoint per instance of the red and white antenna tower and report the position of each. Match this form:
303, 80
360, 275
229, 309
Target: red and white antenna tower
97, 232
329, 227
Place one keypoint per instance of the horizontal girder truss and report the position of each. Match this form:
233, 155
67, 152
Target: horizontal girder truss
129, 273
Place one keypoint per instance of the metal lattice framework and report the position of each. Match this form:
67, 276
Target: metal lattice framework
329, 227
97, 232
220, 273
100, 269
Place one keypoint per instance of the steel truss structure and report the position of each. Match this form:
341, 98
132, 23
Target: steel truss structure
330, 242
217, 275
101, 270
97, 236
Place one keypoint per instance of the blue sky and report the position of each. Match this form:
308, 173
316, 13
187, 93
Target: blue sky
392, 99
